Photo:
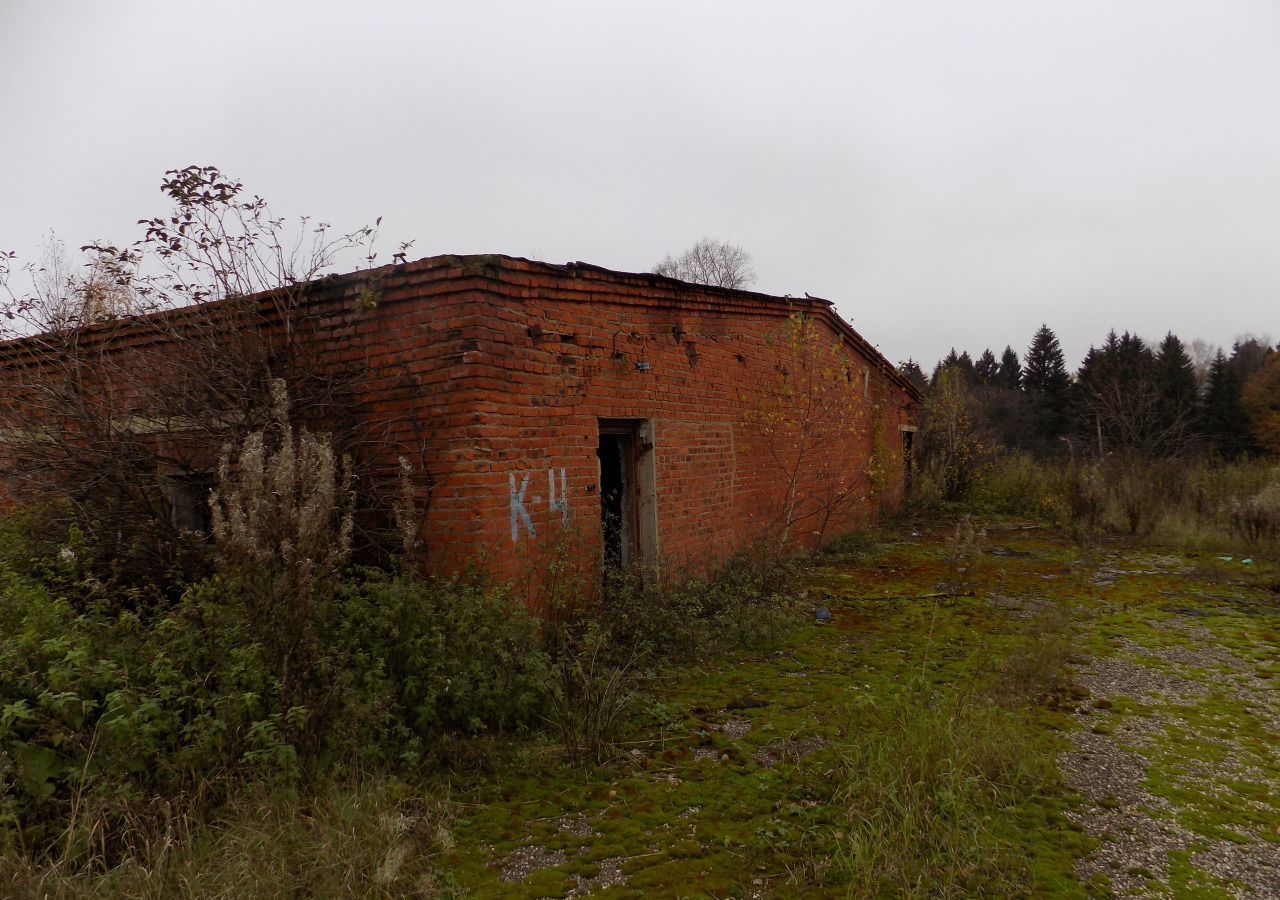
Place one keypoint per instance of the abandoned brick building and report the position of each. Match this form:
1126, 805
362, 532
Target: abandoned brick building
631, 416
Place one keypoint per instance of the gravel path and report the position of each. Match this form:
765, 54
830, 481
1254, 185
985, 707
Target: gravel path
1119, 760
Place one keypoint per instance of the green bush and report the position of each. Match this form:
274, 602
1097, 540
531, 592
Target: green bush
101, 707
738, 604
444, 655
1017, 485
110, 706
98, 704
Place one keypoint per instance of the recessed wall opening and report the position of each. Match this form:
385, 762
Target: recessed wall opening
908, 456
187, 496
628, 494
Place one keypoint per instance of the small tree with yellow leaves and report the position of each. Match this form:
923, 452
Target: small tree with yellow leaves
954, 455
813, 412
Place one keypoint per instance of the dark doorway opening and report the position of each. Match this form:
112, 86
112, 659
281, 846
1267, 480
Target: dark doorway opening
908, 462
617, 453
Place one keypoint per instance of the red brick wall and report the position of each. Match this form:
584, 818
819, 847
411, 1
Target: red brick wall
556, 350
487, 371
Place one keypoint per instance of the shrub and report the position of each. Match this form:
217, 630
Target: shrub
738, 604
1257, 519
282, 518
102, 710
99, 707
441, 655
1015, 484
595, 687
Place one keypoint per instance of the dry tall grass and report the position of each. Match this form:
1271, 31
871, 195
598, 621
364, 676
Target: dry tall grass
361, 839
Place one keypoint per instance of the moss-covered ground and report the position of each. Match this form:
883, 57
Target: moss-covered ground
989, 710
746, 774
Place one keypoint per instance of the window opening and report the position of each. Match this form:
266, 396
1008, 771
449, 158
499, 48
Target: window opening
187, 495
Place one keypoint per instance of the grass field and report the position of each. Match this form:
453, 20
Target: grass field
990, 711
1035, 722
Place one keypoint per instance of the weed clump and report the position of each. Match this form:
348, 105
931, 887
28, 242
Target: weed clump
1256, 519
920, 790
964, 550
1195, 504
600, 655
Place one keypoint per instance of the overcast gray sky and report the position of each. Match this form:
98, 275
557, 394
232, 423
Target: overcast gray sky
950, 173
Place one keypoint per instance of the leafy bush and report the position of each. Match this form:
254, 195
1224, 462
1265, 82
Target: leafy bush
442, 655
101, 709
953, 453
98, 707
1016, 484
739, 604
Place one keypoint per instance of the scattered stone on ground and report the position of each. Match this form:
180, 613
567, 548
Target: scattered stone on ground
735, 729
610, 875
1111, 676
575, 824
1021, 607
522, 862
791, 750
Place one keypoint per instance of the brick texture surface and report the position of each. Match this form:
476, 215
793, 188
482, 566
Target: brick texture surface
493, 374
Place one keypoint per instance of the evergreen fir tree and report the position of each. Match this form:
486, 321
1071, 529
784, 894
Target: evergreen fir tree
1045, 379
913, 373
1177, 377
1117, 400
986, 368
1222, 418
961, 362
1010, 369
1247, 356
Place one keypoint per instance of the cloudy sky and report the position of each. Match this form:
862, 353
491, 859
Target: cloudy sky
949, 173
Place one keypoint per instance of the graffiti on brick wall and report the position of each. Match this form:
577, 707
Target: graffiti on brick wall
557, 501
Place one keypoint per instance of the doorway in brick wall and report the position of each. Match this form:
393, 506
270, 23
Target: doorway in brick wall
628, 494
908, 457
